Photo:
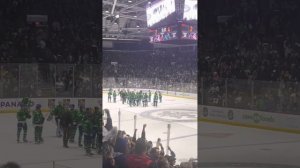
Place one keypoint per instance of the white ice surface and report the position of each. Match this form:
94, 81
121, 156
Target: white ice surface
220, 145
40, 156
247, 147
183, 134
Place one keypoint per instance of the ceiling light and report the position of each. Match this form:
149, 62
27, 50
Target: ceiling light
107, 11
117, 16
137, 26
135, 16
129, 1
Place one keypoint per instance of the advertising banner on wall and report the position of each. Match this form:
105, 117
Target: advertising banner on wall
13, 105
250, 117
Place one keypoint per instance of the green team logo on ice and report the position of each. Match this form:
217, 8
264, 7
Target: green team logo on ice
257, 118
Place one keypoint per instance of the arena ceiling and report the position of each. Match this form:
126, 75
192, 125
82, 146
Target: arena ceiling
124, 19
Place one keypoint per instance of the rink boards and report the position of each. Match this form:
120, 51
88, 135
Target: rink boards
12, 105
249, 118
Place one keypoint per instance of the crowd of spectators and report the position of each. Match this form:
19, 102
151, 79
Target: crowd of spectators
70, 34
121, 150
250, 54
44, 80
172, 65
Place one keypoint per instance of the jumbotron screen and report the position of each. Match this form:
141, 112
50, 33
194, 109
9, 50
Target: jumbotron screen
163, 34
190, 10
189, 32
159, 10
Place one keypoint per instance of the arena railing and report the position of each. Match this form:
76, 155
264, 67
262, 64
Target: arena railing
50, 80
269, 96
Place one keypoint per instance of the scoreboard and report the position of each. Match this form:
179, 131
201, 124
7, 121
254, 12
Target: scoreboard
168, 24
189, 32
159, 10
190, 10
165, 33
176, 33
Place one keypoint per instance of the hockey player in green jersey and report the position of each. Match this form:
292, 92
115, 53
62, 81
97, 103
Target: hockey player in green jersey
123, 96
22, 115
115, 96
66, 123
82, 116
38, 121
137, 98
99, 134
145, 100
109, 95
130, 98
96, 126
133, 98
159, 96
76, 120
57, 112
155, 99
27, 102
87, 130
140, 98
149, 96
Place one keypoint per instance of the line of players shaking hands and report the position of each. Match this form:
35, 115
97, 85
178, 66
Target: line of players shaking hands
135, 98
68, 120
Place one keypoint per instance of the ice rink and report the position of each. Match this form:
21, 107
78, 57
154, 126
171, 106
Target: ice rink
31, 155
224, 146
220, 146
181, 113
